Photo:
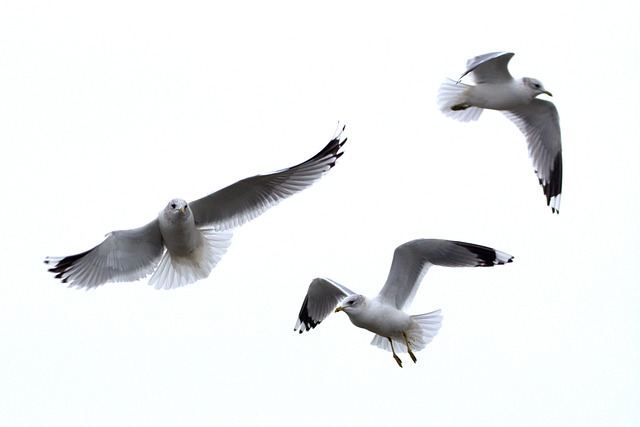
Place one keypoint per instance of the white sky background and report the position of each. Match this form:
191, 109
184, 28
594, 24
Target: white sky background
108, 112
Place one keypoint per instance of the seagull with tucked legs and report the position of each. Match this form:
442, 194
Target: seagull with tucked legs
516, 98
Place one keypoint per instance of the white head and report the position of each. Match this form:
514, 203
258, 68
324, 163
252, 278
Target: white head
352, 304
535, 86
177, 210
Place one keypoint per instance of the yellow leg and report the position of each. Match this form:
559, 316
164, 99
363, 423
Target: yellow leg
395, 356
406, 340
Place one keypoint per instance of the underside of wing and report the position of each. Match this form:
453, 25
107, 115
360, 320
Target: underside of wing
322, 298
124, 256
246, 199
539, 122
412, 260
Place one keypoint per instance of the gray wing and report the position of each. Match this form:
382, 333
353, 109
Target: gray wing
540, 124
489, 68
322, 298
246, 199
124, 256
412, 260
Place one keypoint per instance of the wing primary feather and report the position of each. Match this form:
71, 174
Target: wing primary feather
553, 188
486, 257
412, 260
248, 198
323, 295
125, 255
63, 264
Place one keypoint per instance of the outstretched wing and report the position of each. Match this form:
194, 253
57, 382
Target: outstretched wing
322, 298
246, 199
124, 256
489, 68
540, 124
412, 260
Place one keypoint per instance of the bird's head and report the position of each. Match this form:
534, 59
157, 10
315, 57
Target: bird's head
177, 209
352, 304
535, 86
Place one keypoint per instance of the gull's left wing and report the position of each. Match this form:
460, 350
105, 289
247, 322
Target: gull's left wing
248, 198
489, 68
412, 260
322, 298
540, 124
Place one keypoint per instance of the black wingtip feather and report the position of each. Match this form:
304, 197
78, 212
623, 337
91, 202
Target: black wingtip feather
332, 149
306, 322
486, 255
61, 267
553, 188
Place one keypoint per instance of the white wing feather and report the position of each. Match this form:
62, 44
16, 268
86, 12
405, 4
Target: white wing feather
124, 256
243, 201
540, 123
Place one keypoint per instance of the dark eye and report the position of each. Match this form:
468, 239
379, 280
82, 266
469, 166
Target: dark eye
173, 205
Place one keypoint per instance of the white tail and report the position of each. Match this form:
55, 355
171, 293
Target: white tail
421, 333
452, 93
173, 272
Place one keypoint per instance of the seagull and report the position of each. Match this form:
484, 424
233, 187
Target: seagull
385, 315
187, 240
537, 119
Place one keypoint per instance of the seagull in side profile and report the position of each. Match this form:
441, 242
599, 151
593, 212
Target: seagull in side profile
186, 240
385, 315
537, 119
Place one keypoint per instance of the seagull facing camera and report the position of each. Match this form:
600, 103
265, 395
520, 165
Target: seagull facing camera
186, 240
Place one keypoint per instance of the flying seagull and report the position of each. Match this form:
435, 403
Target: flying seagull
385, 315
186, 240
537, 119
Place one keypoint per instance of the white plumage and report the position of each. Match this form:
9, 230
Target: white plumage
385, 315
537, 119
187, 240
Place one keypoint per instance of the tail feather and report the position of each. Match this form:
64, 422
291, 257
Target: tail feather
174, 272
425, 328
451, 93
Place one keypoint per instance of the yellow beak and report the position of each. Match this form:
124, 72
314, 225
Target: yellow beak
182, 211
547, 92
339, 308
